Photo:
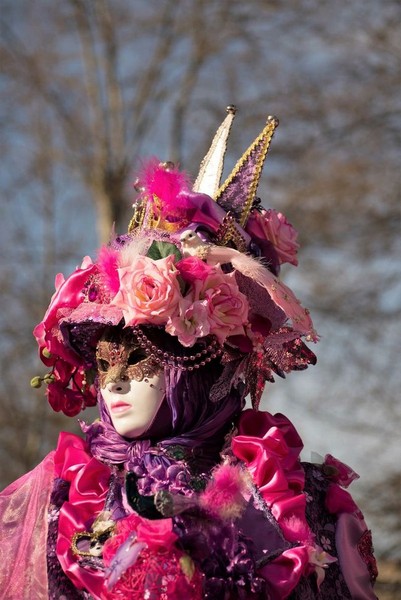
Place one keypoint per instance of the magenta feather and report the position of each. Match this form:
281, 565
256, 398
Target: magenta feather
169, 185
108, 263
223, 495
295, 530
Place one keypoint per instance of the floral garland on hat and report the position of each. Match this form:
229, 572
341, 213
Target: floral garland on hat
189, 298
149, 279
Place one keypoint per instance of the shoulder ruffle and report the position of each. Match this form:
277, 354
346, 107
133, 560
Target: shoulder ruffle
270, 447
89, 483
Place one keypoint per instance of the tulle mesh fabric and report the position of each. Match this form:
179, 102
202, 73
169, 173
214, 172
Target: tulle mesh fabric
23, 510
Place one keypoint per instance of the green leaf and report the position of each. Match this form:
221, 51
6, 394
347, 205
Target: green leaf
163, 249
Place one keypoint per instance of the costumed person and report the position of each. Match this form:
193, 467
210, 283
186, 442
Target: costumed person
178, 491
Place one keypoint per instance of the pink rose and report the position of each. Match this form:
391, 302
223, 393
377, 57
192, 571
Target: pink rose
273, 226
149, 291
192, 321
227, 306
193, 268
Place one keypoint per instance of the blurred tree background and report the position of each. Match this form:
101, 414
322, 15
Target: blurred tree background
90, 86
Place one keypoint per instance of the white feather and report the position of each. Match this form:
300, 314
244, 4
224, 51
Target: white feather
138, 246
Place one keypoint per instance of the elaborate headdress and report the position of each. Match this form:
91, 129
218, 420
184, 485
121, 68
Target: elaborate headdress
195, 277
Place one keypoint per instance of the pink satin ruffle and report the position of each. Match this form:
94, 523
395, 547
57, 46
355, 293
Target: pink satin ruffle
68, 295
89, 486
284, 572
339, 500
270, 447
70, 456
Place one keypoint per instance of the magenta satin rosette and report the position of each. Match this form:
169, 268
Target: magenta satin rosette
67, 390
142, 560
69, 294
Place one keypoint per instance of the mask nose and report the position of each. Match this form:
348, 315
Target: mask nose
120, 386
116, 373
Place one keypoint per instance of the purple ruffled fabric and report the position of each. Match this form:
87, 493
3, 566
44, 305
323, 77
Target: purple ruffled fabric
155, 468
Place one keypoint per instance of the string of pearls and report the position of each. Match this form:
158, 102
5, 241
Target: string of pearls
182, 363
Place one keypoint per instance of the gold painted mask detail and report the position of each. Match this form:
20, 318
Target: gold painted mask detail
124, 360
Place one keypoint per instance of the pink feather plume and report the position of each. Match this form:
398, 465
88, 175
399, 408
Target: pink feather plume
295, 530
169, 185
223, 495
108, 264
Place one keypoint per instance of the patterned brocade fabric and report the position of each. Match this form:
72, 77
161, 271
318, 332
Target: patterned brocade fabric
59, 584
323, 524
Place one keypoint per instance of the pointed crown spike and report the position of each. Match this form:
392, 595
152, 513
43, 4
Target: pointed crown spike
238, 192
208, 180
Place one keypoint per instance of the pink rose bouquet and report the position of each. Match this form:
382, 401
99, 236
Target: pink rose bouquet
150, 293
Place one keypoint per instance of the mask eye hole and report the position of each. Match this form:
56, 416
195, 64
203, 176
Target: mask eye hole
136, 356
103, 364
